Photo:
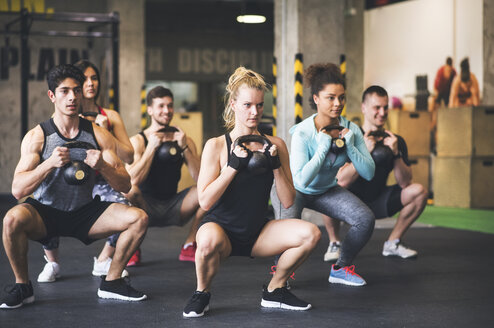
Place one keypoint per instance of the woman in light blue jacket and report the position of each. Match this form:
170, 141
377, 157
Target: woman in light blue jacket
320, 145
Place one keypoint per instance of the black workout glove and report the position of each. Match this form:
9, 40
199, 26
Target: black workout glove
274, 161
238, 163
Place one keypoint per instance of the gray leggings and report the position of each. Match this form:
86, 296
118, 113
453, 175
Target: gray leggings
339, 204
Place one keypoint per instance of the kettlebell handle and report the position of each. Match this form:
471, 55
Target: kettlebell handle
378, 134
90, 114
78, 144
332, 127
251, 138
168, 128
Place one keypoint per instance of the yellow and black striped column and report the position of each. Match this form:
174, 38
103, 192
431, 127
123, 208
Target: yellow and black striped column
299, 89
343, 72
111, 98
275, 95
144, 118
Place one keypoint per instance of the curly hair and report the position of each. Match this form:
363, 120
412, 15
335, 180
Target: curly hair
318, 75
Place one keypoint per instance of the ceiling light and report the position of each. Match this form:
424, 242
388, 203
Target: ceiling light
251, 19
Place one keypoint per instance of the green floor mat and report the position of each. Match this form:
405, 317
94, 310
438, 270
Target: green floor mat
459, 218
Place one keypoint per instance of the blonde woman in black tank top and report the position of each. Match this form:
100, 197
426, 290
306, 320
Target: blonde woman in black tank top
236, 201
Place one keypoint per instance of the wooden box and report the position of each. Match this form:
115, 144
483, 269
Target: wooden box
414, 127
466, 182
420, 171
466, 131
191, 124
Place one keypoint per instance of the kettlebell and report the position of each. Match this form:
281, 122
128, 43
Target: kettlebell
258, 163
381, 153
169, 151
77, 172
338, 144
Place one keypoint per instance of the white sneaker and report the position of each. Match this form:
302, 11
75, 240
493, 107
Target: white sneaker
333, 252
101, 268
50, 272
396, 248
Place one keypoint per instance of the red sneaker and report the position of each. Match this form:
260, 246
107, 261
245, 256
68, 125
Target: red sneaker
135, 259
188, 253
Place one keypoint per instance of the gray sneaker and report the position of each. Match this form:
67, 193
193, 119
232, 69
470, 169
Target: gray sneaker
396, 248
333, 252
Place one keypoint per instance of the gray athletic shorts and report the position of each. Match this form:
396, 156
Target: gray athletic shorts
165, 212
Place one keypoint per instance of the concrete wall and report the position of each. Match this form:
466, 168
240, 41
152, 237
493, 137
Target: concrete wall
415, 37
132, 59
354, 51
321, 35
313, 28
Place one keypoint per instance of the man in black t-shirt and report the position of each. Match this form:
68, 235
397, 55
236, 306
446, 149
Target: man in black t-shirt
389, 152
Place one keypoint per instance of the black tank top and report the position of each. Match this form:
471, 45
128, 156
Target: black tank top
162, 180
242, 208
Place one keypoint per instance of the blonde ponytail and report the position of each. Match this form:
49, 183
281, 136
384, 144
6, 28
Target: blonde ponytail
241, 76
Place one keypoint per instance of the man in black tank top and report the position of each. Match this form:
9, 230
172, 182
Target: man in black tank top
59, 208
155, 178
405, 197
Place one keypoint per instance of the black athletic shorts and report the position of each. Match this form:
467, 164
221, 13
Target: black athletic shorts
388, 203
69, 223
240, 245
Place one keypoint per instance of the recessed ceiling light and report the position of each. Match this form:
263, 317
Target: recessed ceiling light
251, 19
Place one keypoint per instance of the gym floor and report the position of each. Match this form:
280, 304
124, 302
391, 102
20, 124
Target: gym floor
449, 285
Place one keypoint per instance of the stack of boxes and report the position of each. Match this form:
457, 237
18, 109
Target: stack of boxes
414, 127
464, 167
191, 124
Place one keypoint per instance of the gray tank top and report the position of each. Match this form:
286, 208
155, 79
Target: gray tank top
54, 191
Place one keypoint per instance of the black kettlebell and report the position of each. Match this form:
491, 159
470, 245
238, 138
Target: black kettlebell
258, 163
77, 172
381, 153
169, 151
338, 145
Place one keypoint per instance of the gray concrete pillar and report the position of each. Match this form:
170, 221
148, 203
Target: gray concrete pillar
132, 59
488, 46
314, 28
354, 51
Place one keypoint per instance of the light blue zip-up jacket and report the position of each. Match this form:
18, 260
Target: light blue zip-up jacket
312, 170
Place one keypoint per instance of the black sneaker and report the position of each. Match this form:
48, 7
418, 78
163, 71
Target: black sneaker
282, 298
17, 295
119, 289
197, 305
